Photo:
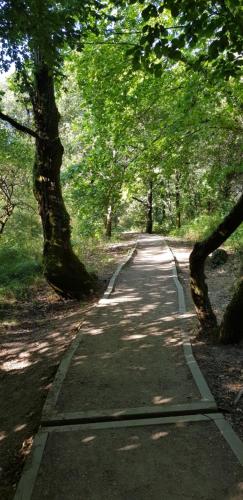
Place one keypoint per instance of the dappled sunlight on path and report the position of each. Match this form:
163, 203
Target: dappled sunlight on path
130, 354
125, 419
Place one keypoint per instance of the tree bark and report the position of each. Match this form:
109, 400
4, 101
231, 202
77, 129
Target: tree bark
7, 191
108, 226
62, 269
231, 328
149, 209
198, 256
8, 211
177, 201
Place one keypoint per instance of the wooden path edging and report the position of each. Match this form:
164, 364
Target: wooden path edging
190, 359
31, 469
63, 367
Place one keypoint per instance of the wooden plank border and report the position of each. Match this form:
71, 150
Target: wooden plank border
187, 347
53, 394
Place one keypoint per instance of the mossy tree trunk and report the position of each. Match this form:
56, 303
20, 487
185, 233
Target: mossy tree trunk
62, 269
199, 289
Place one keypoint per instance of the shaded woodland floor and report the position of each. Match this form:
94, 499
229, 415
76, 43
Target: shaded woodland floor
35, 334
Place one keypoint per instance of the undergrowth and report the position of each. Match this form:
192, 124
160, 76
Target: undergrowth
201, 227
19, 271
21, 258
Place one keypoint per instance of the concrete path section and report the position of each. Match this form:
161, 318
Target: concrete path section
158, 459
130, 416
130, 352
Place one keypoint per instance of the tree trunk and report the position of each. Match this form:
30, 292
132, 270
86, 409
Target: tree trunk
177, 201
109, 222
62, 269
198, 256
199, 288
149, 209
231, 328
8, 211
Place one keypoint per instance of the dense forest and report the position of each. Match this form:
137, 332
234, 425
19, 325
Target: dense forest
124, 115
120, 121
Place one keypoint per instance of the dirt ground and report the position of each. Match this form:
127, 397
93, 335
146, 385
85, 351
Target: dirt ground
34, 335
222, 366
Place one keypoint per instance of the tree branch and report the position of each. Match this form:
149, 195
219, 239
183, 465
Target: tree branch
140, 201
18, 126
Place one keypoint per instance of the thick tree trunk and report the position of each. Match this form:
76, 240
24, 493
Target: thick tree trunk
231, 328
149, 209
62, 269
198, 256
108, 227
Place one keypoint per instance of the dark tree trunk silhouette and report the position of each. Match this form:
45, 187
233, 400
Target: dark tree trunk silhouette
149, 209
108, 225
231, 328
178, 201
199, 287
148, 205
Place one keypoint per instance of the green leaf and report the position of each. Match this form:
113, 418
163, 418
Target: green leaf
149, 11
178, 43
158, 50
213, 49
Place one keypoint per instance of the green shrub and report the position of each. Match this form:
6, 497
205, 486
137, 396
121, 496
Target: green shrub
201, 227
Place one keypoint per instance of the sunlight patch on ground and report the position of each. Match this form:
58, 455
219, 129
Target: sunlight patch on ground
158, 400
157, 435
23, 361
98, 331
134, 337
88, 439
125, 298
129, 447
16, 365
168, 318
19, 427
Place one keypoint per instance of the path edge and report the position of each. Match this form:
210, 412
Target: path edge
224, 427
201, 383
63, 367
31, 468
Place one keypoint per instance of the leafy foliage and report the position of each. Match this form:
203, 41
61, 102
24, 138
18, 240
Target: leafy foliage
124, 126
201, 33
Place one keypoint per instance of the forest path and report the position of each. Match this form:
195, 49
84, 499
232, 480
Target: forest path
130, 416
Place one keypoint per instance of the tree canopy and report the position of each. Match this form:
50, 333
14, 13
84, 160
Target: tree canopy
140, 103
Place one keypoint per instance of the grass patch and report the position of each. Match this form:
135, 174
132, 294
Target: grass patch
19, 270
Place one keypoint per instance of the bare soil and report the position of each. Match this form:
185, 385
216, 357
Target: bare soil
221, 365
34, 335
